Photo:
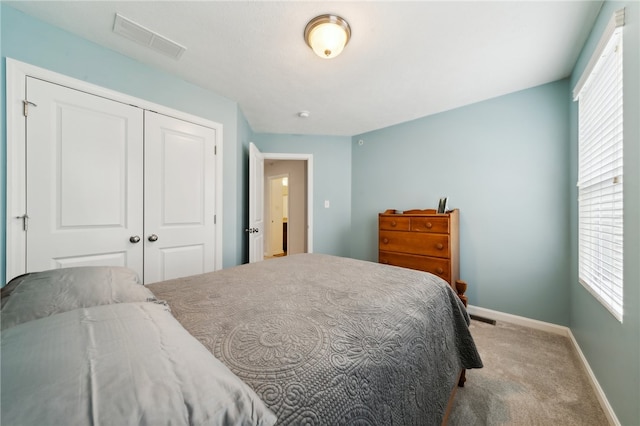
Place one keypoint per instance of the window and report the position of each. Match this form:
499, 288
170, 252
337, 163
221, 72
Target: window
600, 195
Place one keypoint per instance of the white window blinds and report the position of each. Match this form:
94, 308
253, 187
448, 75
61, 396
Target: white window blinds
600, 195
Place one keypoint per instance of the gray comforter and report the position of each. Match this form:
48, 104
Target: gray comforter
325, 340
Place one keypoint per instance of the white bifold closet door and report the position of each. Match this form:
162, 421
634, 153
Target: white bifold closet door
84, 179
179, 198
111, 184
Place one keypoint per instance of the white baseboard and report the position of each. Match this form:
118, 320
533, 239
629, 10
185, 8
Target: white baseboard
556, 329
523, 321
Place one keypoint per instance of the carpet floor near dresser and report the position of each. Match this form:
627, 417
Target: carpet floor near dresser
530, 377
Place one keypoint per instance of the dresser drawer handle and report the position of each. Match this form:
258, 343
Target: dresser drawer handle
439, 246
429, 225
385, 241
439, 271
393, 223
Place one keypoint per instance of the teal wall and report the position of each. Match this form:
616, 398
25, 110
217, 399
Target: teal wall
32, 41
613, 349
331, 181
503, 163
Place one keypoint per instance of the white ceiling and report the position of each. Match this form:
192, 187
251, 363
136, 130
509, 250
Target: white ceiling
405, 60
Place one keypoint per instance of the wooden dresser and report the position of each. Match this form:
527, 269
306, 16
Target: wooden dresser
423, 240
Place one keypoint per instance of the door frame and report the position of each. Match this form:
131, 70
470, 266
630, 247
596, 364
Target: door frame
16, 74
309, 159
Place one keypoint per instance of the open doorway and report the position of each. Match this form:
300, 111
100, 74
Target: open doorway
285, 189
300, 201
277, 208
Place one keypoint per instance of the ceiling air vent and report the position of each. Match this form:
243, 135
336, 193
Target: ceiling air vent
136, 32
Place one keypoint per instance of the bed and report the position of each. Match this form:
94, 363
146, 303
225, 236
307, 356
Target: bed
304, 339
332, 340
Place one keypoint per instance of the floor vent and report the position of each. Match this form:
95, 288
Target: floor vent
483, 319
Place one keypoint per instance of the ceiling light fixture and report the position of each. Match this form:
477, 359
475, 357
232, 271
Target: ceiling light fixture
327, 35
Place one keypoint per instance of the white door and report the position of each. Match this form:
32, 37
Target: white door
256, 204
84, 180
179, 220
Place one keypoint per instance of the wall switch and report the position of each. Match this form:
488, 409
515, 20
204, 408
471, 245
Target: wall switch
326, 204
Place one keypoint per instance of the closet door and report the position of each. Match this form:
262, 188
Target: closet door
84, 180
179, 219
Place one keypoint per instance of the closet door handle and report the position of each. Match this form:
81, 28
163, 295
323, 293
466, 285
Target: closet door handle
153, 237
134, 239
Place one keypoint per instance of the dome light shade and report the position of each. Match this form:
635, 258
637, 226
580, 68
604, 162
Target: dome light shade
327, 35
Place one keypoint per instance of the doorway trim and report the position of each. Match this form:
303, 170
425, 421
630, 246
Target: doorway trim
16, 77
309, 159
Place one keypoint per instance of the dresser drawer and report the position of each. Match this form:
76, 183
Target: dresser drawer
395, 223
414, 243
430, 224
437, 266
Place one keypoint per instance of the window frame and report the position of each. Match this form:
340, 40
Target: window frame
600, 183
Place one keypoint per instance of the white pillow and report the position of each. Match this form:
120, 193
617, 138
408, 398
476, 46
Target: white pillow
41, 294
120, 364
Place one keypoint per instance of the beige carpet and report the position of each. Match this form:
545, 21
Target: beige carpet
530, 377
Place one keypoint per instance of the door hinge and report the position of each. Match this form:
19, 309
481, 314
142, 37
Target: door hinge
25, 221
25, 107
215, 218
215, 150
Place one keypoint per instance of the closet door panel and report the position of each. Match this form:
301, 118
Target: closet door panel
91, 168
183, 261
84, 179
183, 178
179, 198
